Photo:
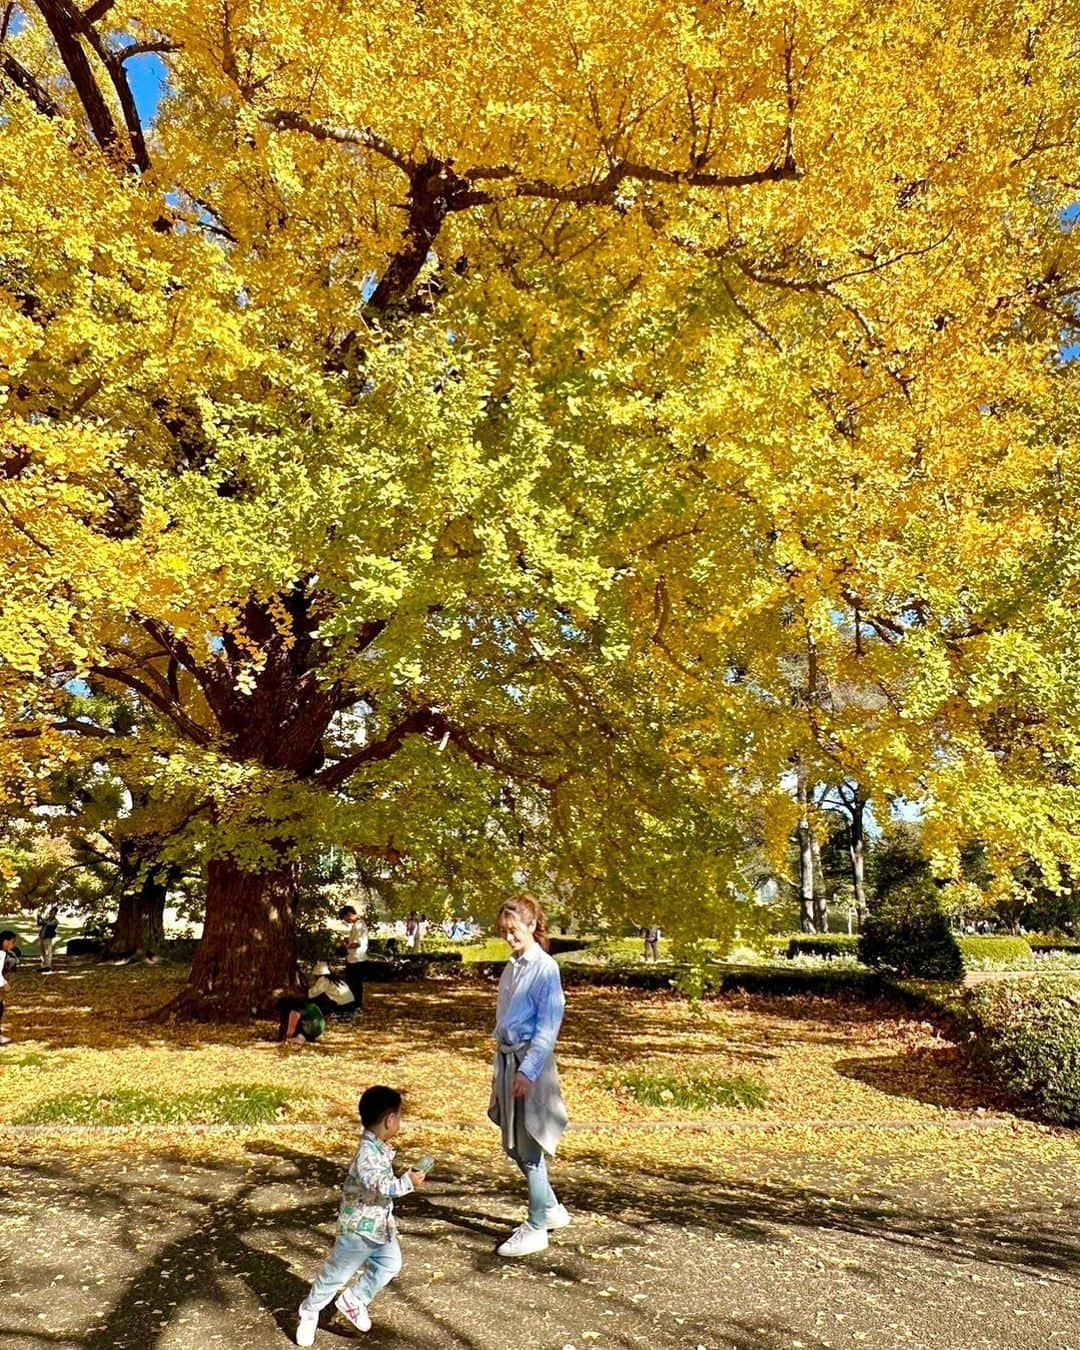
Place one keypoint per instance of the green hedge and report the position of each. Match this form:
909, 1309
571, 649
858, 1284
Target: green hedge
1028, 1032
823, 944
1040, 943
997, 950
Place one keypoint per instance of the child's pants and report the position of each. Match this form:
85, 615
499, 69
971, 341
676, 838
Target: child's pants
46, 953
377, 1262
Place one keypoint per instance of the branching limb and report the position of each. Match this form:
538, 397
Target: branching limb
193, 730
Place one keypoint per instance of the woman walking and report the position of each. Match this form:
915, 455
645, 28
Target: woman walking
526, 1099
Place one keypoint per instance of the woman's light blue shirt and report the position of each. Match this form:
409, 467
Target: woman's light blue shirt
530, 1007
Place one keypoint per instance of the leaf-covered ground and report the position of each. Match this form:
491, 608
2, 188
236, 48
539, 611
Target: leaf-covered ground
881, 1196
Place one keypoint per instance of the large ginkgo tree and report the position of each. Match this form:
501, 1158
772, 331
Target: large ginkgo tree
511, 440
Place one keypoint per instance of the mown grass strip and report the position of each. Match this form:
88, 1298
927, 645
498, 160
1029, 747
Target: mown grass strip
237, 1104
694, 1092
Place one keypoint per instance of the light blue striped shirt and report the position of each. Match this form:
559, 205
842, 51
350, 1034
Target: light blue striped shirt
530, 1007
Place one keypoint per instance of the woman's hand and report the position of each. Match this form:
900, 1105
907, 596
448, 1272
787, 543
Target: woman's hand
522, 1086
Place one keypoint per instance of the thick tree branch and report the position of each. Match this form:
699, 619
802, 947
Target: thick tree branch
193, 730
64, 23
158, 48
603, 191
421, 722
22, 79
63, 724
436, 189
284, 119
436, 725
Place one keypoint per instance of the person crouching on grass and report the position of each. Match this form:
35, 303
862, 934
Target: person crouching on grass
526, 1098
366, 1255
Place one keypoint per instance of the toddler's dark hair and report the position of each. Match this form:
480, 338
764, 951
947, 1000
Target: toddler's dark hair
376, 1104
345, 911
8, 933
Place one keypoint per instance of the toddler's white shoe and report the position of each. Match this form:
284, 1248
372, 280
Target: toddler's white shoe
306, 1328
353, 1310
559, 1217
523, 1241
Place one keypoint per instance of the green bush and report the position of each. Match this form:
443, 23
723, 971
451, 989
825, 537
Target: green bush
909, 934
1028, 1032
995, 952
823, 944
1041, 942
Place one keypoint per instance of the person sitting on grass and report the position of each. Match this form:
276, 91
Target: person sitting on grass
333, 995
366, 1255
8, 962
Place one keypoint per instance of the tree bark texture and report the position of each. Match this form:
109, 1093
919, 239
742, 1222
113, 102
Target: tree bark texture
247, 957
806, 855
139, 929
821, 893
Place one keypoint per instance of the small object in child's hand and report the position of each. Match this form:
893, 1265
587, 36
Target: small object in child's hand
426, 1163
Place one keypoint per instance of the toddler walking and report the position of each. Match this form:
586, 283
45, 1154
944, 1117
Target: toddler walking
366, 1255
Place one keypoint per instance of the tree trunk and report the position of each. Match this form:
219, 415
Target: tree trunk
857, 851
247, 957
139, 929
806, 855
820, 892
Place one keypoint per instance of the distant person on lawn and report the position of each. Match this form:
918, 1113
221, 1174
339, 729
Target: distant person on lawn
651, 938
48, 924
526, 1098
356, 949
366, 1255
8, 962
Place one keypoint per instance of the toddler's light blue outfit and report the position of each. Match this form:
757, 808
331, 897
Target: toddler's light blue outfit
366, 1243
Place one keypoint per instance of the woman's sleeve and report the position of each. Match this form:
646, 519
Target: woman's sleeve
550, 1006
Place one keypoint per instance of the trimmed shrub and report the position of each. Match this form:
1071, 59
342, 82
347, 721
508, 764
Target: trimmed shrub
908, 933
561, 942
1040, 943
1028, 1032
823, 944
992, 951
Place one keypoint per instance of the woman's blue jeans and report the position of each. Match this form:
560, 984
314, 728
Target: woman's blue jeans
529, 1156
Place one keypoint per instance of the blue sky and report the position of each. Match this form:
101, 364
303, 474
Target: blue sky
147, 77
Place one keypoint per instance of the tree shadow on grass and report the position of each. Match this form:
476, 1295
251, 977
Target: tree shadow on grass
941, 1077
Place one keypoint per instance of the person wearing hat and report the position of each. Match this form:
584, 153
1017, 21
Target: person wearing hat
303, 1017
330, 993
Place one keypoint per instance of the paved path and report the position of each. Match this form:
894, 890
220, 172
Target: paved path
171, 1255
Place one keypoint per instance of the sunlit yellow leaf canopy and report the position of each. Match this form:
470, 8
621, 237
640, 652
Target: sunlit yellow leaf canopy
635, 402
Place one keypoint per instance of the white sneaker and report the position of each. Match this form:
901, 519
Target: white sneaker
559, 1217
306, 1328
353, 1310
5, 1040
523, 1241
